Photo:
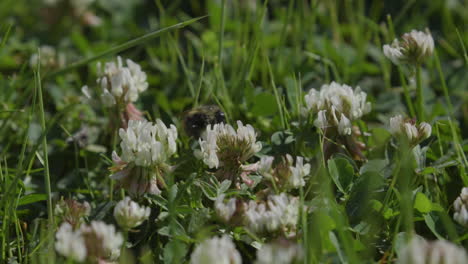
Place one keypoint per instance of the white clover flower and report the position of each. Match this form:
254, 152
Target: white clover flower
282, 252
414, 47
70, 243
411, 131
146, 144
47, 57
222, 144
265, 167
225, 210
208, 148
337, 105
284, 173
396, 124
166, 135
138, 77
344, 127
102, 240
146, 149
394, 52
461, 208
321, 120
279, 212
217, 250
72, 211
121, 84
407, 128
298, 172
425, 130
420, 251
130, 214
80, 6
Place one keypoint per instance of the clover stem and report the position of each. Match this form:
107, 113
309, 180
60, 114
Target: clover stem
419, 95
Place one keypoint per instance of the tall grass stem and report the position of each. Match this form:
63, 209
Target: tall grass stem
419, 95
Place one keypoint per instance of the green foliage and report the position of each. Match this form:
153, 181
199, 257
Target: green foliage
256, 63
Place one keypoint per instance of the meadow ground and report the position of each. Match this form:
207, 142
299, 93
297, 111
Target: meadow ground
351, 147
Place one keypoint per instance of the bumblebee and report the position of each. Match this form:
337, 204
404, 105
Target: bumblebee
196, 120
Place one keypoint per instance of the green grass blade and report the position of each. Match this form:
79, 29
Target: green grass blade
465, 55
50, 211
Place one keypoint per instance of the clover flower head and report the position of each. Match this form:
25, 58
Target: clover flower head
337, 105
420, 251
121, 84
400, 126
225, 210
221, 144
70, 243
216, 250
280, 252
461, 208
130, 214
284, 173
48, 57
278, 213
146, 149
72, 211
414, 47
103, 242
146, 144
96, 242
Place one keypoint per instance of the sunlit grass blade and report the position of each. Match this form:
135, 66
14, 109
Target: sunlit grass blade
465, 54
124, 46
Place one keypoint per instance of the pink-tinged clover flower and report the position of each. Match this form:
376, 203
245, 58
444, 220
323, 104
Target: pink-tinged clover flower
407, 128
413, 48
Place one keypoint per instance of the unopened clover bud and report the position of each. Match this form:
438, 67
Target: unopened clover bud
424, 130
461, 208
411, 131
129, 214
